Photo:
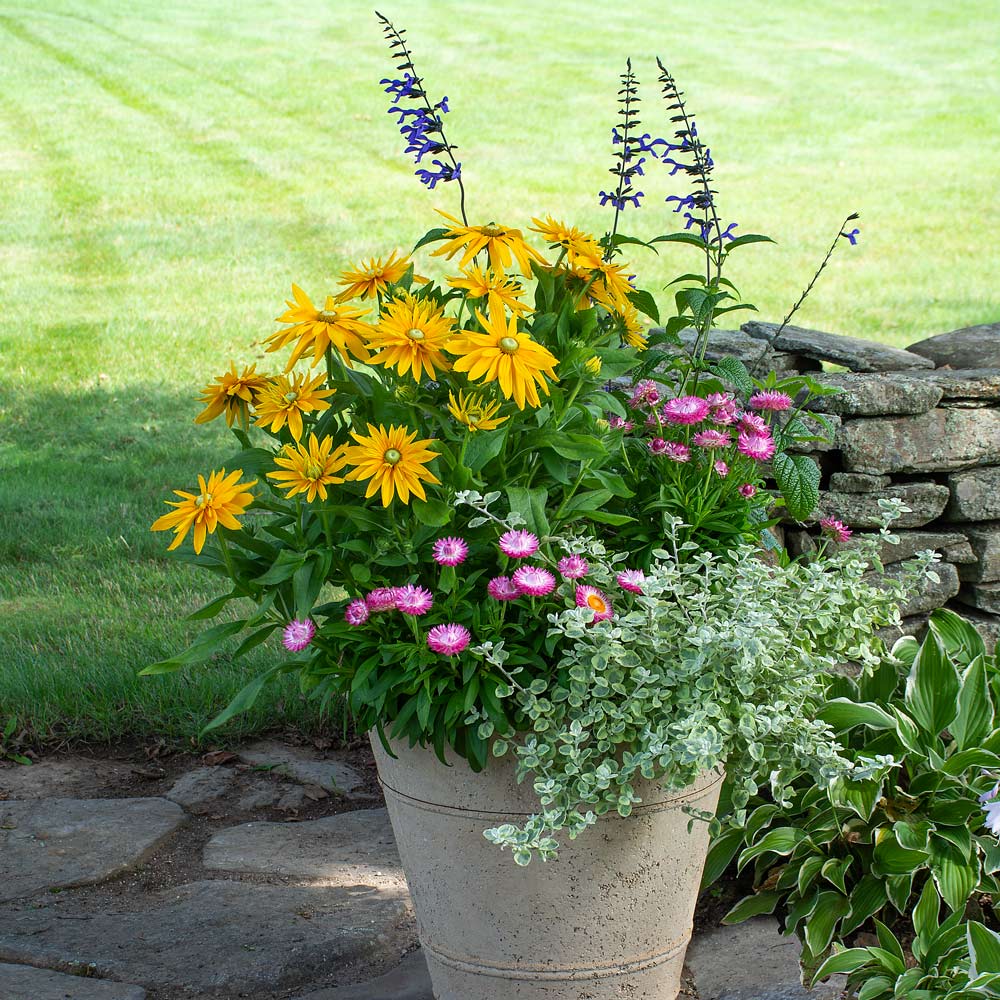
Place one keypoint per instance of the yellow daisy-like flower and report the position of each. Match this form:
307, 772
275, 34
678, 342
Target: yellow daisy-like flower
286, 399
372, 277
579, 246
493, 287
503, 354
635, 333
392, 461
218, 501
611, 286
231, 393
334, 325
476, 413
593, 365
309, 469
410, 335
501, 244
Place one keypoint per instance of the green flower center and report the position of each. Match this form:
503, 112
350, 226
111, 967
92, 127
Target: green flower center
290, 397
326, 317
203, 500
415, 334
312, 471
509, 345
393, 456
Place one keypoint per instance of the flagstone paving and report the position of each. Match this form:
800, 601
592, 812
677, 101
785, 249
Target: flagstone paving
271, 874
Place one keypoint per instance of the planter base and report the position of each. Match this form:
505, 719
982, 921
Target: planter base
609, 919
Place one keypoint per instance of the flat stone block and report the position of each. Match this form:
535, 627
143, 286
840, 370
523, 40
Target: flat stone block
912, 542
985, 596
752, 961
23, 982
858, 482
878, 394
861, 510
980, 384
345, 849
931, 594
335, 776
62, 777
57, 843
984, 540
203, 937
970, 347
408, 981
201, 786
975, 495
852, 352
939, 441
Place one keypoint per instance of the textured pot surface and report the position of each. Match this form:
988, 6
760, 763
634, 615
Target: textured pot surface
609, 919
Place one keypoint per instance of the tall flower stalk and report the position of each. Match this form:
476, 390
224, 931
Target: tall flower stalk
627, 166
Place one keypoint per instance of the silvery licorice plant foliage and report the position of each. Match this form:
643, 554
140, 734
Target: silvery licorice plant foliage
718, 664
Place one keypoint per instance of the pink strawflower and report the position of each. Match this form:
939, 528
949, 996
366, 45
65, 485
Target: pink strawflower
617, 423
677, 452
711, 439
721, 469
657, 446
685, 410
759, 447
356, 613
534, 581
518, 544
753, 423
770, 400
448, 640
723, 408
450, 551
413, 599
598, 602
298, 634
503, 588
381, 599
644, 393
573, 567
631, 580
835, 529
747, 490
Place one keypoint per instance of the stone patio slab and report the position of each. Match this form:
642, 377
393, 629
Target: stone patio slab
216, 936
23, 982
330, 774
57, 843
410, 980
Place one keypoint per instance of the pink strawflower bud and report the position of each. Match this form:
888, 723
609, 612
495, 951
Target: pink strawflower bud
381, 599
644, 393
677, 452
721, 469
753, 423
356, 613
835, 529
711, 439
657, 446
770, 400
298, 634
747, 490
617, 423
534, 581
518, 544
413, 599
759, 447
573, 567
598, 602
723, 408
503, 588
448, 640
631, 580
685, 410
450, 551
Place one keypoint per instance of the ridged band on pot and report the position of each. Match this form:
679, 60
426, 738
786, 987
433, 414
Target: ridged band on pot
609, 919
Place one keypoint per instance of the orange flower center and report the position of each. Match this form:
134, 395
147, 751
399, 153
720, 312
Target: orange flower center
509, 345
392, 456
596, 604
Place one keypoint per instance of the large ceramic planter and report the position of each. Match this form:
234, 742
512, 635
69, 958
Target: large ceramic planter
609, 918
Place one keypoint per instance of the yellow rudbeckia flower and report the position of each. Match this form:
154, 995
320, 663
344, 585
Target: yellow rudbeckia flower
392, 461
372, 277
501, 244
410, 335
218, 501
285, 400
333, 326
309, 468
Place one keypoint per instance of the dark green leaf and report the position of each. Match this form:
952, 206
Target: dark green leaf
932, 687
201, 649
797, 477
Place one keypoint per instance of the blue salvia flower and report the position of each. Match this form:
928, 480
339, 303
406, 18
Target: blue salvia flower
852, 236
421, 126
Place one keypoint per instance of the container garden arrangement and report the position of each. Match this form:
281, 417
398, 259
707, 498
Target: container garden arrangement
525, 538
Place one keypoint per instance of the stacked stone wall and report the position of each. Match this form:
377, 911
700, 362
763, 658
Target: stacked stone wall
921, 424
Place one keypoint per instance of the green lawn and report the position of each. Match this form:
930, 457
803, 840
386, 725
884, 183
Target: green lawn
166, 173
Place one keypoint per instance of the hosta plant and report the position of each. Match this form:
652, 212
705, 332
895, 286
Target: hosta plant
832, 859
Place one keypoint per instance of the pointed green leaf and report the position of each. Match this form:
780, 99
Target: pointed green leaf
752, 906
975, 719
932, 687
830, 907
955, 882
201, 649
798, 478
841, 962
984, 949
